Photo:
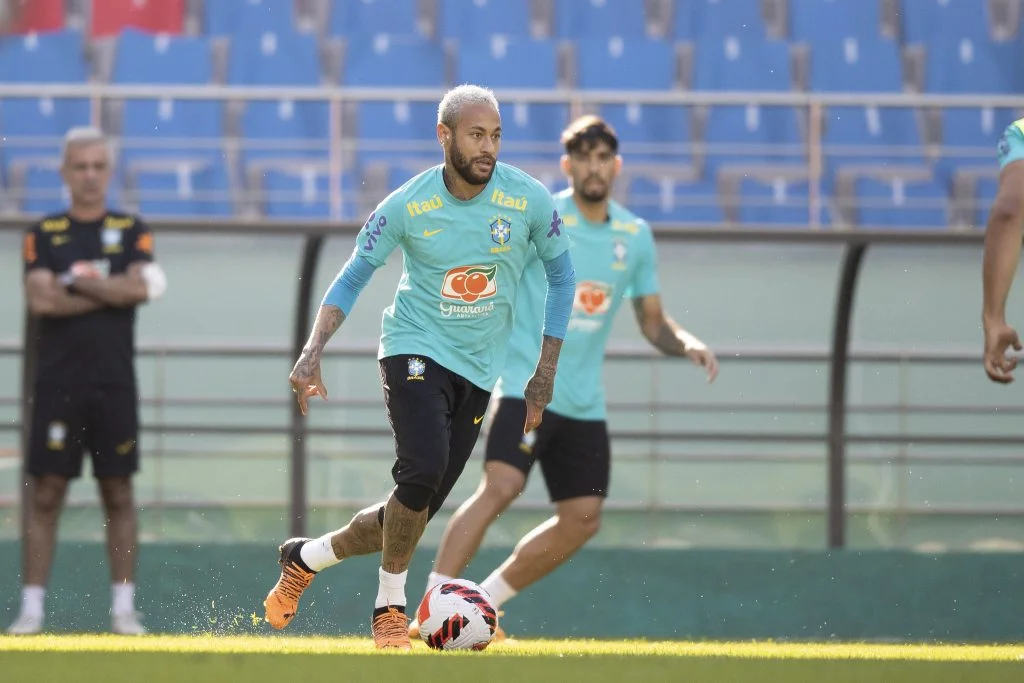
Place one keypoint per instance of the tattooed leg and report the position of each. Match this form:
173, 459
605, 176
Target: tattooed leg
361, 536
402, 530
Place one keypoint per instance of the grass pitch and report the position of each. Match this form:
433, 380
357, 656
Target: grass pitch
154, 659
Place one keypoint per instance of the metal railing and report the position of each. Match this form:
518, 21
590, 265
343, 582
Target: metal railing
682, 161
838, 356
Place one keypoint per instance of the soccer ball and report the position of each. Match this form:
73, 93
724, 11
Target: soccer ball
457, 615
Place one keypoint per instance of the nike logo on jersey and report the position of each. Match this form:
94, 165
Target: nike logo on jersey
476, 420
431, 233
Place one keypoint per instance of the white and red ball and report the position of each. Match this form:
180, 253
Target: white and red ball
457, 615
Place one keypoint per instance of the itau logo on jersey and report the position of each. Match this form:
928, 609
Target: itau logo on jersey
592, 297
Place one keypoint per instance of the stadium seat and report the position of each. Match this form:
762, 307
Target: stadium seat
818, 22
871, 135
304, 192
599, 19
529, 129
751, 64
183, 190
229, 17
984, 194
716, 19
966, 65
923, 20
851, 64
683, 21
477, 20
652, 132
38, 16
279, 128
625, 64
155, 16
167, 127
775, 202
367, 18
42, 190
35, 126
967, 138
395, 128
900, 203
668, 200
752, 135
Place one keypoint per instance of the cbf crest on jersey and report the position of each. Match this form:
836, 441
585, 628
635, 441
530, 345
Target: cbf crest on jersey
620, 251
416, 369
501, 234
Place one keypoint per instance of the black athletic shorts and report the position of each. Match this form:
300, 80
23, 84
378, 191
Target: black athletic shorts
574, 455
67, 421
435, 415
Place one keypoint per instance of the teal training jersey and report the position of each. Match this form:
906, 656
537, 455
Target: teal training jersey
462, 265
613, 261
1011, 145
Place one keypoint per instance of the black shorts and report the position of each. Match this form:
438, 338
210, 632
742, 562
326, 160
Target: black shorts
574, 455
67, 421
435, 415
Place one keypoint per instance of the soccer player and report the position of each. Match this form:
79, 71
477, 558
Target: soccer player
86, 271
613, 252
466, 229
1002, 255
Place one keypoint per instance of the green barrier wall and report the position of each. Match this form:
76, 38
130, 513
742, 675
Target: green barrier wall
657, 594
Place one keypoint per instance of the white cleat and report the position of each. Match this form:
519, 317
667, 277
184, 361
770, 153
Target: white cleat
127, 624
26, 625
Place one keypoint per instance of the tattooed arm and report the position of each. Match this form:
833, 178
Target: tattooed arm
542, 385
305, 378
667, 336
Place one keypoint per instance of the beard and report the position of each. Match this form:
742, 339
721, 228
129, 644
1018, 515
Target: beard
593, 193
464, 166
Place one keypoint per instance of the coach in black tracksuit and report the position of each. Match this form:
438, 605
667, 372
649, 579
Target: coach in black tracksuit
86, 270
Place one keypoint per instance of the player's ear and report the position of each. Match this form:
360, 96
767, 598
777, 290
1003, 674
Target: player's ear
566, 168
443, 134
618, 164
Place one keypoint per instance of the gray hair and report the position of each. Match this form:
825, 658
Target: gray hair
83, 135
455, 99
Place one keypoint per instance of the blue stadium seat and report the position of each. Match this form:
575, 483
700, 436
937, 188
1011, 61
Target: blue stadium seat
184, 190
532, 130
43, 191
652, 132
753, 134
922, 20
394, 61
403, 170
389, 130
683, 21
57, 57
965, 65
668, 200
753, 63
852, 64
167, 127
304, 193
284, 127
473, 20
625, 64
228, 17
870, 135
366, 18
823, 21
716, 19
967, 138
984, 194
901, 203
502, 62
599, 19
779, 202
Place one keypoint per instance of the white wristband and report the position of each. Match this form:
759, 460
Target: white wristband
155, 279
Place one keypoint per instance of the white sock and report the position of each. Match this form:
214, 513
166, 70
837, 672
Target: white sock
434, 578
319, 553
32, 598
124, 598
498, 589
392, 589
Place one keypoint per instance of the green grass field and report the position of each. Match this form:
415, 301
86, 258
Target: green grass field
153, 659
